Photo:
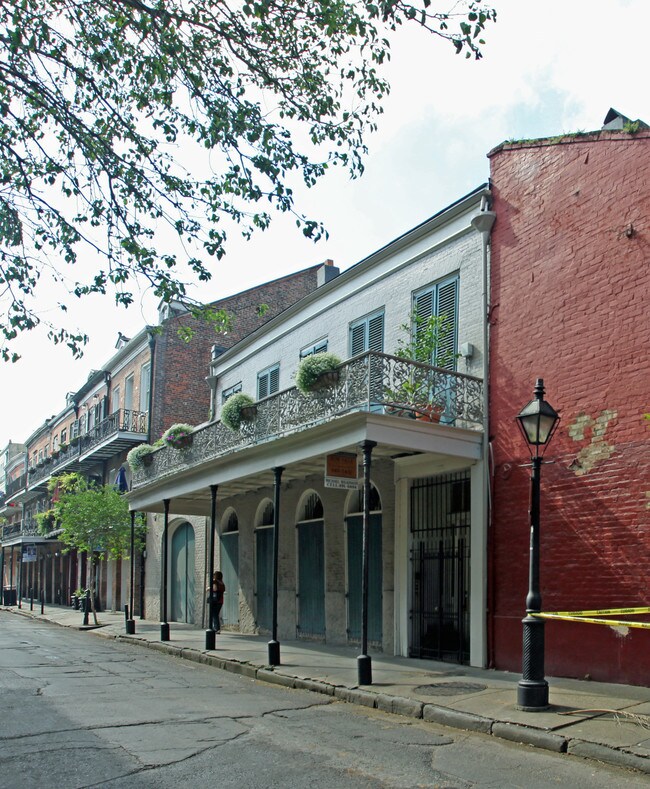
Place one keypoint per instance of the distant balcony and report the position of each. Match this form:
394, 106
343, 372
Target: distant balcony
16, 485
372, 382
118, 432
25, 528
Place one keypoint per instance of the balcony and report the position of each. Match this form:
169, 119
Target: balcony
25, 528
118, 432
371, 382
15, 486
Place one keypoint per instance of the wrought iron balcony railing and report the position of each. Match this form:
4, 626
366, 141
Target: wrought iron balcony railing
373, 382
123, 420
16, 485
24, 528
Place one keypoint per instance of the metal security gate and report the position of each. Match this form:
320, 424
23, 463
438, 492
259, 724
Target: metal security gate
311, 580
230, 570
354, 525
264, 577
440, 568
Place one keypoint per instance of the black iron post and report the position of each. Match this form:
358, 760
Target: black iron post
274, 644
42, 584
20, 577
87, 605
210, 635
164, 625
130, 622
11, 576
364, 661
532, 689
537, 421
2, 576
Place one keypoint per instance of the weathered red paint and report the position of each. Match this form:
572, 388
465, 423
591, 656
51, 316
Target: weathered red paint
570, 303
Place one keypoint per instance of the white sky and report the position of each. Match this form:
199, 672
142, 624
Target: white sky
549, 67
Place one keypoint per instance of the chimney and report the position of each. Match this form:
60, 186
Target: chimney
328, 271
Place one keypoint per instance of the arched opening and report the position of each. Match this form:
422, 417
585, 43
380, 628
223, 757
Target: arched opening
182, 574
264, 565
354, 545
230, 567
311, 567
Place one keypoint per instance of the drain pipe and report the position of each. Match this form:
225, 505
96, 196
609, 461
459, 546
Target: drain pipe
482, 223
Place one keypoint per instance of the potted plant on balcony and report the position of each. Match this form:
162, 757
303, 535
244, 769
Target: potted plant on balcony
237, 409
428, 342
140, 456
179, 436
317, 371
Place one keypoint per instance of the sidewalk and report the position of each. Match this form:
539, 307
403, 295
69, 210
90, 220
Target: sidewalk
609, 723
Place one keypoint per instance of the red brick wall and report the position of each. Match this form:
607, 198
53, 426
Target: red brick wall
181, 393
570, 298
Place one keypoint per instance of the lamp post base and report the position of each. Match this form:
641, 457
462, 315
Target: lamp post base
274, 653
210, 638
130, 627
532, 695
364, 670
164, 631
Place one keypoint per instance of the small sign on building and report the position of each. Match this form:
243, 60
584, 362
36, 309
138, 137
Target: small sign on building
29, 553
341, 471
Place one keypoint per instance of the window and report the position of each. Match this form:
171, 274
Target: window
128, 393
82, 424
115, 400
64, 436
268, 381
317, 347
441, 299
55, 443
145, 380
230, 391
367, 334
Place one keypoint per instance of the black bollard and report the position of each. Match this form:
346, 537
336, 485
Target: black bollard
86, 604
42, 601
31, 599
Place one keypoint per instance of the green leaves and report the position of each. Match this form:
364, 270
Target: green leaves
100, 102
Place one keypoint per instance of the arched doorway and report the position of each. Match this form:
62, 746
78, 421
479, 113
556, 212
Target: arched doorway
264, 565
354, 528
230, 568
182, 574
311, 567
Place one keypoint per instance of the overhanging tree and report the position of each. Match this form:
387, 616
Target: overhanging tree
94, 519
124, 117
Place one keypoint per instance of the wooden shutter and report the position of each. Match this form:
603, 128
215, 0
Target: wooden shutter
357, 338
376, 333
274, 380
448, 308
262, 385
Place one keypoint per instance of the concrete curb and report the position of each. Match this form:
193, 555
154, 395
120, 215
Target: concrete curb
396, 705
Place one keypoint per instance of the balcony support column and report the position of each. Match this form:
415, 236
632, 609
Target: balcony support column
364, 662
130, 623
164, 625
210, 635
274, 644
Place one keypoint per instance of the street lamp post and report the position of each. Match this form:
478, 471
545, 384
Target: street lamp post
537, 421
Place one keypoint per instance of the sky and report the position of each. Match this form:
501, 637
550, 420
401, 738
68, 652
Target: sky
548, 68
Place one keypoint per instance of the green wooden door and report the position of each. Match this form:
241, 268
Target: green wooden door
355, 566
264, 577
182, 574
311, 579
230, 570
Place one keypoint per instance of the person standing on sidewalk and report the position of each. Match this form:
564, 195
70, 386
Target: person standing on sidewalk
216, 600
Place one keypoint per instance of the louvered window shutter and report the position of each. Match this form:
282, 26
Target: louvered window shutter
376, 333
262, 385
274, 380
448, 308
357, 338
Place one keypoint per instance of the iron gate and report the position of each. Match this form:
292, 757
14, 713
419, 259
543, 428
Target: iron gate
440, 567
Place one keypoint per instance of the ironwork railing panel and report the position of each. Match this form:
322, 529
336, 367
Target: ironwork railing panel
15, 485
372, 381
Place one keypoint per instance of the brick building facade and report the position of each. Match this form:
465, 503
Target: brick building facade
570, 289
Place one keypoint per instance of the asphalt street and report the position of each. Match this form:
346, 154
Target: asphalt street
80, 711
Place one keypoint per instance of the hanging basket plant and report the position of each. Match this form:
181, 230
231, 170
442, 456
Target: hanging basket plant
179, 436
140, 456
318, 371
237, 409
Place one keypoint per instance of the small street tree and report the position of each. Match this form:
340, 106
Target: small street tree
140, 133
94, 519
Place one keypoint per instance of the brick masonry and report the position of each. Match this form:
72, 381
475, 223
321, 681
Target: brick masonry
570, 290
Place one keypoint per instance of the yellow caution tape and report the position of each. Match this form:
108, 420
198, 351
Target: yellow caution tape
596, 621
603, 612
